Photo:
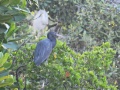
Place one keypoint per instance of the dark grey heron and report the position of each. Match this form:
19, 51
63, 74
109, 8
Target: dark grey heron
45, 47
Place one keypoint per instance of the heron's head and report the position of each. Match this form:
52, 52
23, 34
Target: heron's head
51, 35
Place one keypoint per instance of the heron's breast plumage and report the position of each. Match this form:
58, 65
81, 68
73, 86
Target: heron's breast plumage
42, 51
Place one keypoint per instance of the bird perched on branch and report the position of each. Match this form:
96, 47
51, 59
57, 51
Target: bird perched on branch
45, 47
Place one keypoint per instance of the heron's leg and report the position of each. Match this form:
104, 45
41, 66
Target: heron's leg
42, 84
46, 62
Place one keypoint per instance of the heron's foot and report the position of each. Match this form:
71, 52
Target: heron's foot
46, 63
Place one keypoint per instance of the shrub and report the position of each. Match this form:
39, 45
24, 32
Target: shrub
5, 78
65, 68
10, 15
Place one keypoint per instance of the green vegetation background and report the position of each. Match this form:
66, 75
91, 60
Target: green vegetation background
87, 59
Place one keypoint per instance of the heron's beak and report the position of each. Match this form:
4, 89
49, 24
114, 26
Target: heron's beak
61, 36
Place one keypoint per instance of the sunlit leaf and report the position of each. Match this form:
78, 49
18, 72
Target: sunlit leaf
2, 68
1, 54
11, 30
4, 59
5, 18
12, 2
6, 80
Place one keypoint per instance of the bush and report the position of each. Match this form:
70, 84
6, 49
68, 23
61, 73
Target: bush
66, 69
10, 15
5, 78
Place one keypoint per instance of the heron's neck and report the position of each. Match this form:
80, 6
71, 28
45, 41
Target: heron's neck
53, 40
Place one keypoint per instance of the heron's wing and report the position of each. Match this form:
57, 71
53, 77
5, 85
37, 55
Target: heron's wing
42, 51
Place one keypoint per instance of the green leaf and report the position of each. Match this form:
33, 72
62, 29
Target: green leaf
2, 69
7, 65
91, 73
1, 54
9, 2
6, 80
10, 45
2, 88
11, 30
14, 2
4, 73
4, 2
24, 3
2, 38
4, 77
4, 59
3, 28
18, 18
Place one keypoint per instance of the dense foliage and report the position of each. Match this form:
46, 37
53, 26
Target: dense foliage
85, 23
5, 78
66, 69
10, 15
88, 23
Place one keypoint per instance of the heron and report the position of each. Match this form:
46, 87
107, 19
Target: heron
40, 22
44, 48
